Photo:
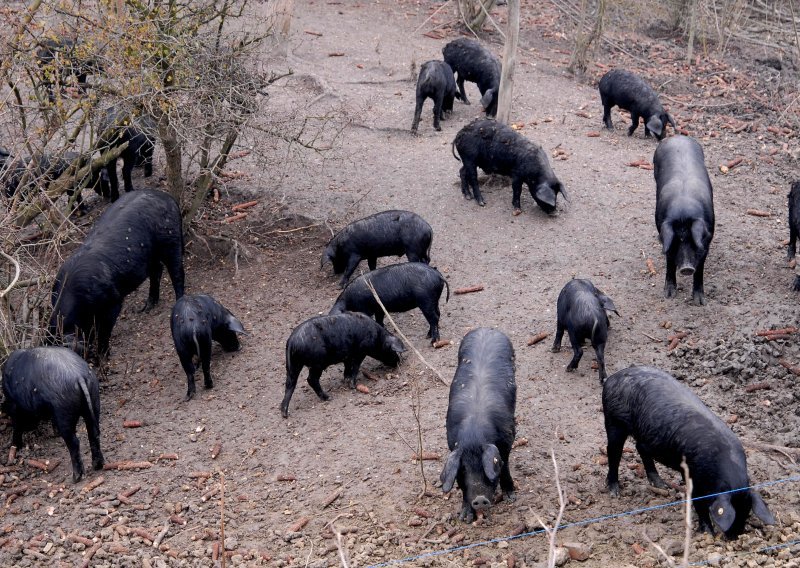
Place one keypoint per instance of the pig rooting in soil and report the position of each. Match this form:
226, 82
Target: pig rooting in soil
630, 92
471, 61
670, 424
480, 421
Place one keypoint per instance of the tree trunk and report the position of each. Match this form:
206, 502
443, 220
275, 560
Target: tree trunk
172, 149
281, 20
509, 63
579, 61
690, 40
474, 12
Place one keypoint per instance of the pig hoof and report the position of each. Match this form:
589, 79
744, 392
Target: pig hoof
797, 284
98, 463
482, 203
613, 490
510, 496
571, 369
466, 515
468, 197
699, 299
517, 211
555, 349
189, 396
209, 385
438, 128
669, 292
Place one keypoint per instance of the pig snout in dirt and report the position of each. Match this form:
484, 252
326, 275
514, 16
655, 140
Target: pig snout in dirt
630, 92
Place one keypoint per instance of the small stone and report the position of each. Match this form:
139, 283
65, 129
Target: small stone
561, 556
578, 551
231, 543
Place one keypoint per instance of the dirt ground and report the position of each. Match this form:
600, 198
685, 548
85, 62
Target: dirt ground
284, 487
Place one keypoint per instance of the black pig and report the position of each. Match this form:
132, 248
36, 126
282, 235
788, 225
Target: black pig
794, 226
197, 321
61, 59
128, 243
323, 341
480, 421
684, 211
669, 423
497, 149
582, 312
630, 92
436, 82
387, 233
119, 127
473, 62
401, 287
53, 383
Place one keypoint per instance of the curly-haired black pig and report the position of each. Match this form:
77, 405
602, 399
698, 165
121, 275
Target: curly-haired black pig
473, 62
53, 383
388, 233
435, 82
323, 341
582, 313
498, 149
401, 287
129, 243
684, 211
794, 226
669, 424
480, 421
196, 321
139, 133
630, 92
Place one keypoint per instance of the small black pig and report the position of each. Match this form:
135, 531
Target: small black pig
323, 341
794, 226
119, 127
53, 383
128, 243
473, 62
387, 233
684, 211
435, 82
497, 149
61, 59
630, 92
197, 321
401, 287
480, 421
582, 312
670, 423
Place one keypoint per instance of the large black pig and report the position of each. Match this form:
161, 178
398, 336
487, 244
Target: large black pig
435, 82
197, 321
480, 421
128, 243
630, 92
684, 211
139, 133
473, 62
582, 313
401, 287
53, 383
497, 149
387, 233
323, 341
669, 423
794, 226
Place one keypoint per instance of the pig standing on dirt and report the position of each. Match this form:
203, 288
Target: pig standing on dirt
436, 82
684, 211
629, 92
197, 321
480, 421
323, 341
401, 287
497, 149
669, 423
473, 62
582, 312
388, 233
53, 383
794, 226
128, 243
139, 133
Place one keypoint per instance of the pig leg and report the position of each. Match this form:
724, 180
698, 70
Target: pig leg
314, 374
670, 284
599, 351
127, 168
698, 293
437, 111
65, 426
93, 432
577, 350
105, 324
634, 123
372, 262
16, 433
417, 114
607, 112
205, 361
467, 513
702, 508
154, 271
650, 467
174, 264
431, 312
469, 178
352, 263
559, 336
516, 194
790, 252
461, 93
351, 367
617, 435
292, 374
506, 483
113, 180
188, 367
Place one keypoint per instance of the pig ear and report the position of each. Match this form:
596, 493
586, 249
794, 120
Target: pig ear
699, 232
448, 476
607, 303
486, 99
492, 462
722, 512
327, 256
545, 194
671, 121
396, 345
558, 187
760, 509
667, 235
235, 325
654, 125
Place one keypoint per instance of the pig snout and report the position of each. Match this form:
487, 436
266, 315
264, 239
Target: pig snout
481, 503
687, 270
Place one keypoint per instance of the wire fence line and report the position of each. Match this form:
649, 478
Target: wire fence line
600, 519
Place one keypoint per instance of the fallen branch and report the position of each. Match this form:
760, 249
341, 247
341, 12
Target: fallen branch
426, 456
94, 484
442, 343
45, 466
247, 205
87, 560
126, 465
757, 387
468, 290
132, 424
781, 331
791, 368
331, 498
541, 336
758, 213
790, 453
298, 525
236, 217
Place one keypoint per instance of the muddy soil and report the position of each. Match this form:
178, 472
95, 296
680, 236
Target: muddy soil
285, 488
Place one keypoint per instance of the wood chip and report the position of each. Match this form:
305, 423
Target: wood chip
94, 484
468, 289
758, 213
593, 134
426, 456
215, 450
541, 336
132, 424
362, 388
298, 525
753, 387
442, 343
